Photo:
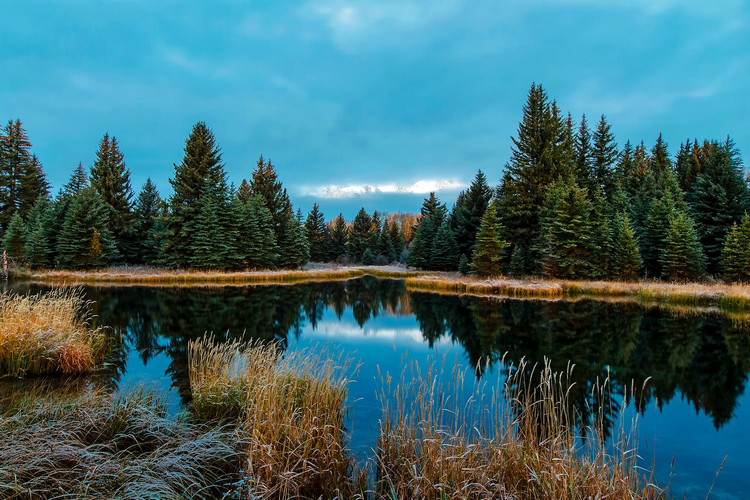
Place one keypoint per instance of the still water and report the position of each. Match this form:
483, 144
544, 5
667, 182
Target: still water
694, 410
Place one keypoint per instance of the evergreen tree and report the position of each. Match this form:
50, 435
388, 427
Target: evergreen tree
257, 236
601, 234
385, 243
39, 250
14, 240
15, 159
571, 249
316, 233
398, 242
464, 265
433, 214
719, 197
663, 209
683, 259
517, 260
111, 179
625, 259
445, 254
78, 182
265, 183
293, 248
34, 185
604, 156
468, 211
148, 209
337, 246
200, 166
540, 156
639, 185
209, 244
490, 244
85, 240
367, 257
360, 235
736, 256
584, 170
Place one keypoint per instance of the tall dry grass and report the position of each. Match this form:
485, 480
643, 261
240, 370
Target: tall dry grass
436, 445
290, 412
49, 333
83, 442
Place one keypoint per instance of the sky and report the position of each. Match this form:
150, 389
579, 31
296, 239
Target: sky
363, 103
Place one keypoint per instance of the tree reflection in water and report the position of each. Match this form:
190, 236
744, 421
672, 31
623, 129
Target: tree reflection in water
704, 358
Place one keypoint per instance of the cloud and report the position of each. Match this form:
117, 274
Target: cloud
336, 191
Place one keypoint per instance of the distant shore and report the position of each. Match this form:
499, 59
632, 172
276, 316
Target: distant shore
728, 297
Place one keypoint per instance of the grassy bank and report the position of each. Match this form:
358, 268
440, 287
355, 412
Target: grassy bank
49, 333
727, 297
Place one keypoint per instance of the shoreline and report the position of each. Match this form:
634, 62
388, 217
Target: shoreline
724, 297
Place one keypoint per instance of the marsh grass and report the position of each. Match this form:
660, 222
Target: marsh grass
49, 333
436, 445
289, 410
84, 442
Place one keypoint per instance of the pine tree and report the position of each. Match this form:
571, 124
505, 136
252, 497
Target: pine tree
14, 240
367, 258
85, 240
604, 156
111, 179
77, 183
265, 183
398, 241
719, 198
433, 214
540, 156
584, 169
22, 180
315, 231
200, 165
148, 209
209, 244
464, 265
360, 235
337, 246
654, 240
468, 211
736, 256
39, 250
639, 185
490, 244
444, 250
683, 259
625, 258
385, 247
293, 248
569, 238
517, 260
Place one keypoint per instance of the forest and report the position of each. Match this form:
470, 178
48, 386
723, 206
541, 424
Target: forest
570, 203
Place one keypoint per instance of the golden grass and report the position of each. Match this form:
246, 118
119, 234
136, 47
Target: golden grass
433, 445
48, 333
290, 414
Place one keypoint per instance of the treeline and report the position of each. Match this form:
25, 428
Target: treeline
96, 219
572, 204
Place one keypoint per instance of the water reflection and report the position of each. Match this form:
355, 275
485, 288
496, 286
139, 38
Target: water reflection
703, 358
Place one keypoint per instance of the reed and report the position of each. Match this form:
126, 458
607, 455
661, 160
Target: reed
290, 413
435, 445
49, 333
91, 443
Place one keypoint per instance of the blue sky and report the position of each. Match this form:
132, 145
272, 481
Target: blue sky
370, 102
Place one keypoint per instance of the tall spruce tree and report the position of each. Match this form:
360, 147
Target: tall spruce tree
293, 249
432, 216
200, 166
337, 246
256, 234
15, 168
85, 240
625, 261
468, 211
147, 211
539, 157
736, 256
445, 254
663, 209
571, 249
14, 240
490, 244
584, 169
683, 259
718, 198
360, 235
316, 233
209, 244
265, 183
39, 249
111, 179
604, 157
78, 182
385, 246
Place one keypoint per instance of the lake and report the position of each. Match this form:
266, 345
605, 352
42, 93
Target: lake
694, 364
